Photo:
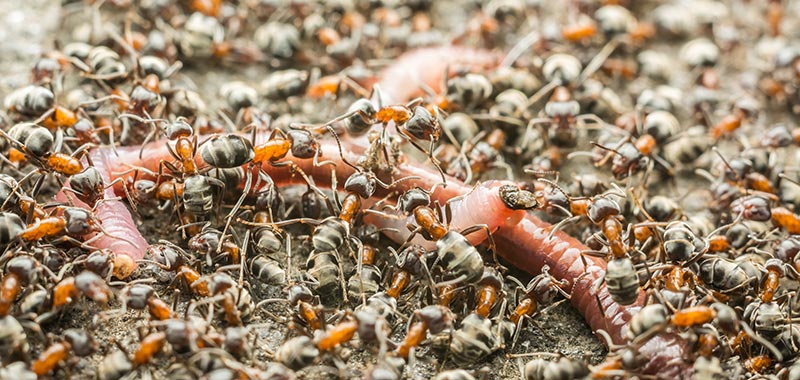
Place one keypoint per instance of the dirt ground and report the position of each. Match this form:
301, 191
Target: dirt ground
28, 31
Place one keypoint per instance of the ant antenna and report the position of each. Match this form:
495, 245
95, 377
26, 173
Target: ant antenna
538, 173
394, 183
607, 156
728, 164
341, 153
555, 186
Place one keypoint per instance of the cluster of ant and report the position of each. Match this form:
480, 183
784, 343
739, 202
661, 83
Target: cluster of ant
253, 250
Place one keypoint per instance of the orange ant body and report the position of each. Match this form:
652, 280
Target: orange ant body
87, 283
50, 358
432, 318
786, 219
342, 332
149, 347
757, 364
489, 289
9, 290
729, 123
19, 273
37, 145
171, 258
412, 121
309, 313
273, 150
693, 316
580, 31
139, 296
409, 262
540, 290
771, 281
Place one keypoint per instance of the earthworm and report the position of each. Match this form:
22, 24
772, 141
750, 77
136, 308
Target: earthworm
528, 244
121, 235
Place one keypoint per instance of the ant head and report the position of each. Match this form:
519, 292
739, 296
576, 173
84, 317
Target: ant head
517, 199
299, 292
79, 221
412, 199
167, 255
178, 128
361, 183
752, 207
603, 207
24, 267
423, 125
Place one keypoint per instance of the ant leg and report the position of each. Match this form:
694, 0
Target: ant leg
600, 58
247, 188
536, 97
128, 195
342, 282
313, 186
414, 102
83, 244
414, 231
37, 186
596, 289
384, 215
558, 226
485, 228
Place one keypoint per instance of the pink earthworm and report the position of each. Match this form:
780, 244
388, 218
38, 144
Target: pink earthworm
121, 235
528, 244
521, 237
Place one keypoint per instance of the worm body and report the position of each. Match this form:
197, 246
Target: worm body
121, 237
115, 216
528, 244
522, 238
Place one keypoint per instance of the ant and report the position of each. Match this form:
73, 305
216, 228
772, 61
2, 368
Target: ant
461, 259
412, 121
621, 275
478, 156
42, 149
172, 258
410, 262
367, 280
298, 295
68, 291
541, 290
139, 296
229, 151
563, 72
76, 341
431, 318
20, 272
